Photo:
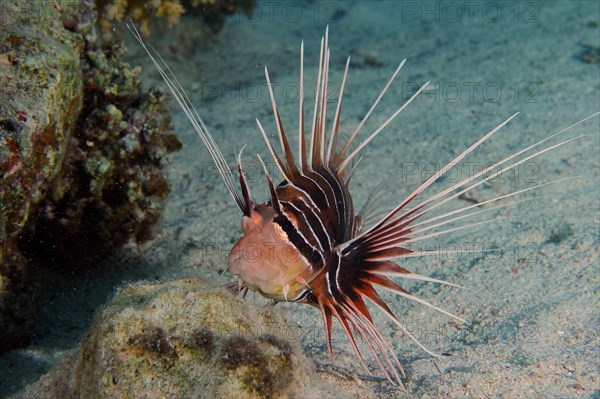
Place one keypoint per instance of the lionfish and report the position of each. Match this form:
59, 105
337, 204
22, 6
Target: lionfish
307, 243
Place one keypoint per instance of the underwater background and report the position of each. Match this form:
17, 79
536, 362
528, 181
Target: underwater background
531, 280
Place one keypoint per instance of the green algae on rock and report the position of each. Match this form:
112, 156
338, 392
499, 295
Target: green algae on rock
184, 339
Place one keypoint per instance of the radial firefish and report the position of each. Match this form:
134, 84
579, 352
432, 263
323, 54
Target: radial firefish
307, 244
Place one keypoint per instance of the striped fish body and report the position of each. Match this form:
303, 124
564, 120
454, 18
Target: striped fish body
282, 253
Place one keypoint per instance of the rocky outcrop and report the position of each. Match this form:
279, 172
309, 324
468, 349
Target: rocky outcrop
183, 339
42, 94
81, 150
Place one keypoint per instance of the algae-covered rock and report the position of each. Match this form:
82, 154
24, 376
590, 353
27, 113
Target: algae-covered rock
81, 150
112, 188
41, 89
183, 339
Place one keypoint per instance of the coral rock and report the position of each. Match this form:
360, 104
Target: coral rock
183, 339
213, 11
41, 88
81, 150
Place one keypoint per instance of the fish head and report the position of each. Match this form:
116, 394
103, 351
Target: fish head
265, 260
